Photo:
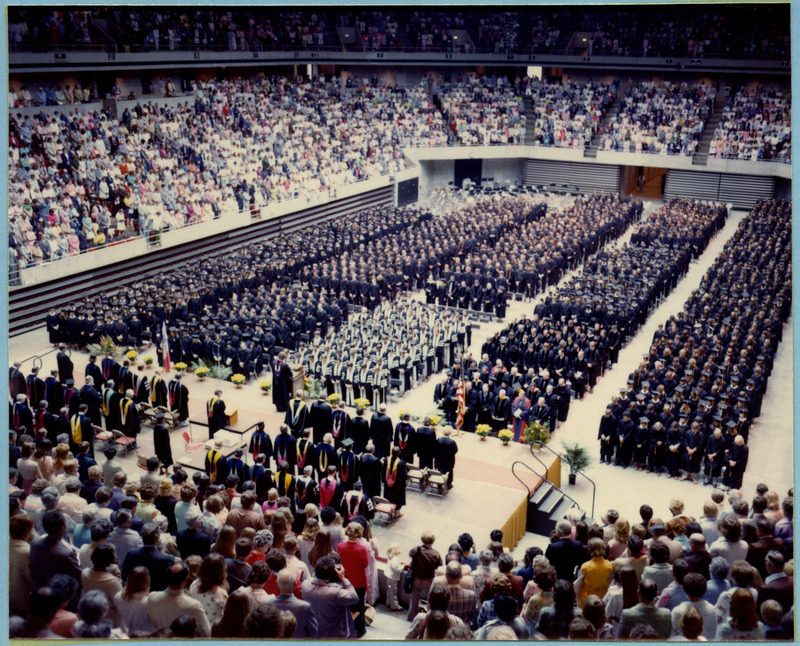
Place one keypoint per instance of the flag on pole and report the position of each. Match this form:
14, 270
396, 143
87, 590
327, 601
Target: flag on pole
460, 403
165, 346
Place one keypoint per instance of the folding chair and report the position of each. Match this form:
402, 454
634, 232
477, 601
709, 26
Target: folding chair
123, 440
188, 442
437, 483
384, 507
418, 478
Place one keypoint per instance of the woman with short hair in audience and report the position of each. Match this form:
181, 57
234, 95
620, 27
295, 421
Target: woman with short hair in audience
595, 573
28, 468
594, 611
42, 456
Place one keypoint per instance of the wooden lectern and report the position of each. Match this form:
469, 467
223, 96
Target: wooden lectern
298, 380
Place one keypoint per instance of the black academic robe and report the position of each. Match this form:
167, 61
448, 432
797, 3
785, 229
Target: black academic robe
162, 445
405, 440
340, 426
425, 446
16, 383
216, 466
320, 420
215, 410
381, 430
446, 449
129, 421
394, 480
281, 385
179, 399
359, 433
370, 473
284, 449
305, 492
296, 417
326, 457
260, 442
348, 469
305, 454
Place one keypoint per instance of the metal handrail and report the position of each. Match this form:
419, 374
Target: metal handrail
594, 486
529, 468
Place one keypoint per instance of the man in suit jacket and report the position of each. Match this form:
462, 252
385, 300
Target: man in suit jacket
645, 612
778, 585
148, 556
757, 552
192, 540
163, 607
565, 554
303, 612
50, 554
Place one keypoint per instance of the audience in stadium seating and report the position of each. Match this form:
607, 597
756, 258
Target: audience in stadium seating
664, 119
755, 125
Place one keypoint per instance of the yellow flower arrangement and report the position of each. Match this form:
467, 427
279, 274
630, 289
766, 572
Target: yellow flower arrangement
265, 385
180, 366
148, 361
201, 372
435, 419
334, 398
505, 435
361, 402
131, 354
238, 379
482, 430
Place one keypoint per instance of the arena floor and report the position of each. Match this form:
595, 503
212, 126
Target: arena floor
485, 492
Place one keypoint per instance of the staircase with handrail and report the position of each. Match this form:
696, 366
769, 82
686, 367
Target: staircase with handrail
547, 503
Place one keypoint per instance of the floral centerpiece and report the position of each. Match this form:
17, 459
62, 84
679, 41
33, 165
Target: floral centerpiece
537, 433
131, 354
361, 402
334, 398
482, 430
148, 361
265, 385
106, 346
201, 372
307, 384
238, 379
180, 366
506, 435
435, 419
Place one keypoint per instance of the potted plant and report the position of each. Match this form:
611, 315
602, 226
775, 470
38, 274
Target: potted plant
265, 385
435, 419
482, 431
238, 380
537, 434
201, 372
180, 366
148, 362
361, 402
219, 371
506, 435
578, 459
104, 347
131, 355
334, 398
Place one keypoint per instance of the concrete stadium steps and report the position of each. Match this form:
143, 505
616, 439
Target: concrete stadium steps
28, 305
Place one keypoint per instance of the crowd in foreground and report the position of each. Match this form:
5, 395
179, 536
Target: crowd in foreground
250, 552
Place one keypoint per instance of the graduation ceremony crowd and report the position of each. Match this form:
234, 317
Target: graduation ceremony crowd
690, 407
535, 366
